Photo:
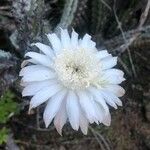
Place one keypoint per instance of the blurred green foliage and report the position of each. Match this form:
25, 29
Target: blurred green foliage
3, 135
8, 107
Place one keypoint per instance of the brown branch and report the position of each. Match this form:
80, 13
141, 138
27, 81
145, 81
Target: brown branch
135, 36
144, 15
139, 28
114, 43
100, 139
125, 40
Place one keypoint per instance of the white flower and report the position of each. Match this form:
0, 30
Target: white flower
75, 80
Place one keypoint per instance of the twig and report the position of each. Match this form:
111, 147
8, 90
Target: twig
124, 67
144, 14
139, 28
100, 138
96, 137
125, 40
134, 37
114, 43
141, 23
107, 5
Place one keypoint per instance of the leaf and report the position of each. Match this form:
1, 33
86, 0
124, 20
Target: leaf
8, 107
3, 135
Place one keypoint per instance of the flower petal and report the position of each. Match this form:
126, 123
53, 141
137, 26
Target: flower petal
86, 105
85, 41
108, 99
65, 39
99, 98
74, 39
83, 124
61, 118
36, 74
102, 54
55, 42
107, 119
45, 49
108, 62
104, 116
92, 46
40, 58
99, 112
116, 89
25, 62
72, 108
34, 87
44, 94
53, 107
116, 72
113, 76
31, 68
114, 98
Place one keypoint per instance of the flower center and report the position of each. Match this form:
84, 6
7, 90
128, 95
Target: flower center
77, 69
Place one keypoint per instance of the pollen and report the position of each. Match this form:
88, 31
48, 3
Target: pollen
77, 69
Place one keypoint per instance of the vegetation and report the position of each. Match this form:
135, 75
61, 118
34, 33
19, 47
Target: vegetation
8, 108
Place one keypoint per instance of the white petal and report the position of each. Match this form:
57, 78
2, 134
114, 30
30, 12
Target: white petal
32, 68
108, 99
116, 72
108, 62
25, 62
65, 39
99, 98
61, 118
45, 49
86, 105
83, 124
55, 42
107, 119
99, 112
72, 108
53, 107
85, 41
116, 89
23, 84
92, 45
43, 95
114, 79
34, 87
74, 39
80, 41
114, 98
40, 58
102, 53
104, 116
41, 74
113, 76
